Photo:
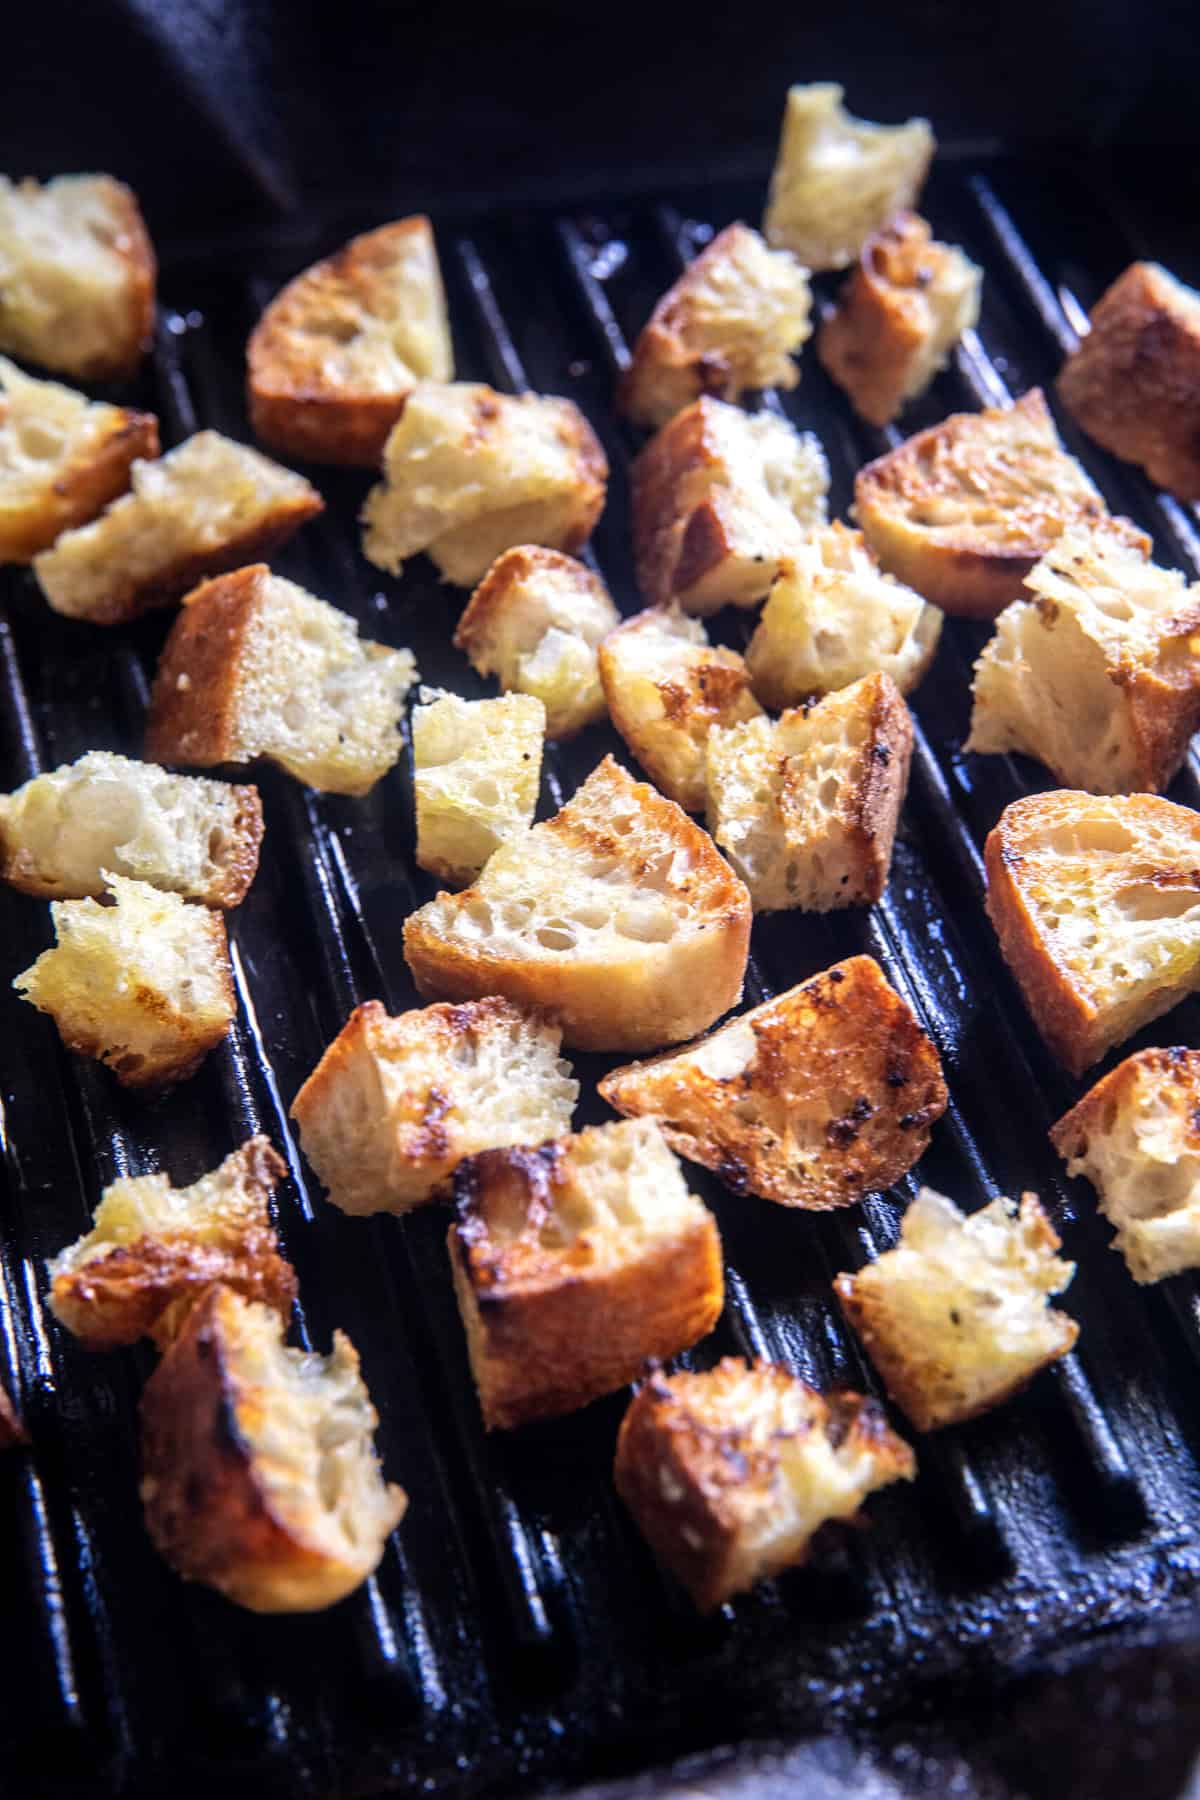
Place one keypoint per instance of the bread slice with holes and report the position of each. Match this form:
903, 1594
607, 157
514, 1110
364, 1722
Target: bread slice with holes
144, 984
576, 1262
720, 498
61, 831
63, 457
77, 276
154, 1250
667, 688
338, 351
477, 767
813, 1099
730, 1473
1096, 902
733, 321
256, 667
205, 507
395, 1104
957, 1318
617, 918
535, 622
805, 806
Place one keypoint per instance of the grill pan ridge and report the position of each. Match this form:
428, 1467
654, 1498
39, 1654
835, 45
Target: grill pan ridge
517, 1632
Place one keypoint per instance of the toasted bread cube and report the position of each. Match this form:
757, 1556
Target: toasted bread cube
729, 1474
260, 1476
154, 1251
62, 459
144, 985
12, 1426
191, 836
1096, 902
838, 179
813, 1099
477, 767
576, 1262
395, 1104
338, 351
468, 473
256, 667
77, 275
957, 1317
720, 498
1098, 674
833, 616
534, 622
618, 918
732, 321
806, 805
206, 506
1133, 384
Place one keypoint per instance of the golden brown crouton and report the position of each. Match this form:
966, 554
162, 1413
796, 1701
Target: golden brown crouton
477, 768
576, 1262
12, 1426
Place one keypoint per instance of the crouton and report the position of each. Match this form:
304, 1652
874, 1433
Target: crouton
144, 985
574, 1263
813, 1099
805, 806
62, 459
667, 687
260, 1476
255, 666
832, 616
1133, 384
338, 351
729, 1474
12, 1426
961, 512
957, 1317
198, 838
1098, 674
838, 179
1096, 903
534, 622
154, 1251
394, 1105
468, 473
732, 321
477, 768
720, 497
77, 276
205, 507
617, 917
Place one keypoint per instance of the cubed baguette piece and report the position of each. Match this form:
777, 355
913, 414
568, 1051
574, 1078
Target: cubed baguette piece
957, 1317
838, 179
1133, 384
832, 616
63, 457
534, 622
12, 1426
77, 276
154, 1250
813, 1099
617, 917
395, 1104
805, 806
183, 833
144, 985
730, 1473
336, 354
205, 507
1097, 675
720, 498
477, 767
1096, 903
666, 688
733, 321
468, 473
576, 1262
256, 667
260, 1476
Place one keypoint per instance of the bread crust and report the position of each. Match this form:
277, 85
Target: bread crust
83, 487
12, 1426
194, 697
